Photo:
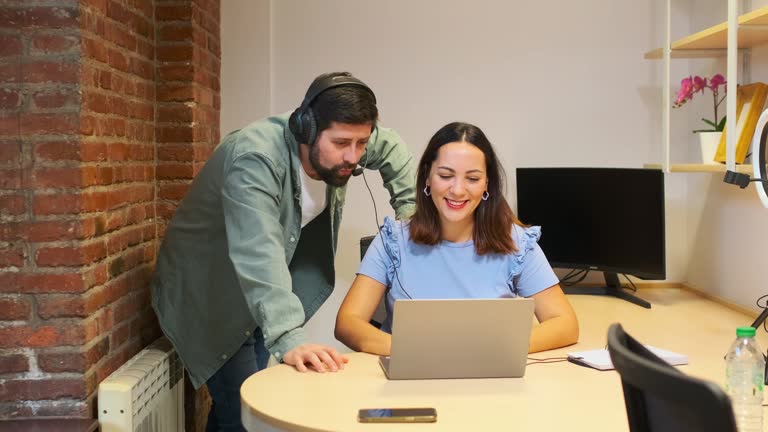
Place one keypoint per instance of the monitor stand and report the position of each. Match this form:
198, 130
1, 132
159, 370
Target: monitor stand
612, 288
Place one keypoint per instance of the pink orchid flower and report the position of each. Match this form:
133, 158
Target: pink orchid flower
695, 84
686, 91
716, 81
699, 84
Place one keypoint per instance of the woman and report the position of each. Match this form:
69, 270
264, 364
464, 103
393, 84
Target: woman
463, 241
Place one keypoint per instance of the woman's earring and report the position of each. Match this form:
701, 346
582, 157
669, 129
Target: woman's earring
427, 190
486, 195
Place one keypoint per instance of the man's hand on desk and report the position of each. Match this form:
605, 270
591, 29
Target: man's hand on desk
320, 358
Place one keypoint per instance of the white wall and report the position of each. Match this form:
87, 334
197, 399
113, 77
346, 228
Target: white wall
552, 84
246, 64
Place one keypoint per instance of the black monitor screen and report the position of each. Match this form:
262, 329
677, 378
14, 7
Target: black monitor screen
608, 219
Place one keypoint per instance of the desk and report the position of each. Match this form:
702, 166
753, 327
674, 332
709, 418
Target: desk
551, 397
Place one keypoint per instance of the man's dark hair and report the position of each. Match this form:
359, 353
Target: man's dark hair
346, 104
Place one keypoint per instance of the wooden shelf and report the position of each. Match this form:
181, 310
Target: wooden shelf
713, 41
704, 168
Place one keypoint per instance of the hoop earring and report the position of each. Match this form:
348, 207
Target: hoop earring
486, 195
427, 191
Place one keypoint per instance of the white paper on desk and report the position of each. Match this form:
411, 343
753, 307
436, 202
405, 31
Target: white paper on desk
601, 359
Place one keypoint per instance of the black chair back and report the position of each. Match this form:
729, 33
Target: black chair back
660, 398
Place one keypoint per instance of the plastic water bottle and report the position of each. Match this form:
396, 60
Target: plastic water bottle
745, 375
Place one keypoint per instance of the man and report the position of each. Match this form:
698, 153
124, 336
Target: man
248, 255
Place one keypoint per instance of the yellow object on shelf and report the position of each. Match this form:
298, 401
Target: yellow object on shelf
750, 100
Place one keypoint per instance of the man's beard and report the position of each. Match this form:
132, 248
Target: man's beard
329, 175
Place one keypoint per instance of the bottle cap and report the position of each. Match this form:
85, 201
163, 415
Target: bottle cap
745, 332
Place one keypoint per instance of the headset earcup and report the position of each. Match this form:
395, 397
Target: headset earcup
311, 127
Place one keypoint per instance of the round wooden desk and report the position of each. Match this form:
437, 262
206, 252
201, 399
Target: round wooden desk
551, 397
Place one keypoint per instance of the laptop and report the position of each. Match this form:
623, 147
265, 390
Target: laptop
459, 338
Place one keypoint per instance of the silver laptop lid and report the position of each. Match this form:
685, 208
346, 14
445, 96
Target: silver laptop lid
460, 338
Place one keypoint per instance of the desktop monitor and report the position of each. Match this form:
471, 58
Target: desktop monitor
604, 219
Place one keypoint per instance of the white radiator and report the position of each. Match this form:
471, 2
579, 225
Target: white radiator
146, 394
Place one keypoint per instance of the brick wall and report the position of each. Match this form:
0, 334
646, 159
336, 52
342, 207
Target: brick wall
107, 110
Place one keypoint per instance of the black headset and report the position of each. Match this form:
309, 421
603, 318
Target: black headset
303, 123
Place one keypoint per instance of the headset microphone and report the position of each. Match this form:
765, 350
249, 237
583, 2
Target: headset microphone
357, 171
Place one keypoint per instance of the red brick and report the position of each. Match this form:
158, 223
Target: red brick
61, 362
173, 191
175, 53
49, 17
96, 102
55, 98
13, 363
11, 178
173, 12
175, 93
10, 151
10, 124
53, 44
142, 68
63, 123
83, 176
49, 72
10, 45
72, 255
61, 306
43, 336
95, 49
75, 361
58, 408
180, 133
10, 98
20, 282
14, 308
63, 203
174, 171
71, 151
13, 204
55, 230
42, 389
13, 257
120, 37
118, 60
175, 32
175, 113
175, 72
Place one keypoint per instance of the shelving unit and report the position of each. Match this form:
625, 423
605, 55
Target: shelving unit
713, 42
702, 168
742, 31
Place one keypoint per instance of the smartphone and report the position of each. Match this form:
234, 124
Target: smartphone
397, 415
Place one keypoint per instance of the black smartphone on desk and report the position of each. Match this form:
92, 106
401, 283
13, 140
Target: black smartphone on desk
397, 415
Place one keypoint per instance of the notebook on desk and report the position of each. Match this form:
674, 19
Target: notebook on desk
600, 358
459, 338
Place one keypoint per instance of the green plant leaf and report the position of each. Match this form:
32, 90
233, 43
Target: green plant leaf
709, 122
720, 126
705, 130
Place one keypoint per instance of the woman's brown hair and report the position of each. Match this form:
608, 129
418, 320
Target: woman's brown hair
492, 232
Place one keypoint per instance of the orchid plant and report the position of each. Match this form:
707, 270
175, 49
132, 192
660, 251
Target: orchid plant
695, 84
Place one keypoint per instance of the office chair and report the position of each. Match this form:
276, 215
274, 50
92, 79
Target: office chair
660, 398
364, 243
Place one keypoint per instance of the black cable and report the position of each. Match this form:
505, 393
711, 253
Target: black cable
634, 287
569, 282
764, 307
546, 360
378, 229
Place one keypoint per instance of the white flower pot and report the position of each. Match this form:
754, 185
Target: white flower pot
709, 142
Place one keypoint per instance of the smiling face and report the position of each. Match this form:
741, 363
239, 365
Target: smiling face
336, 152
457, 180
